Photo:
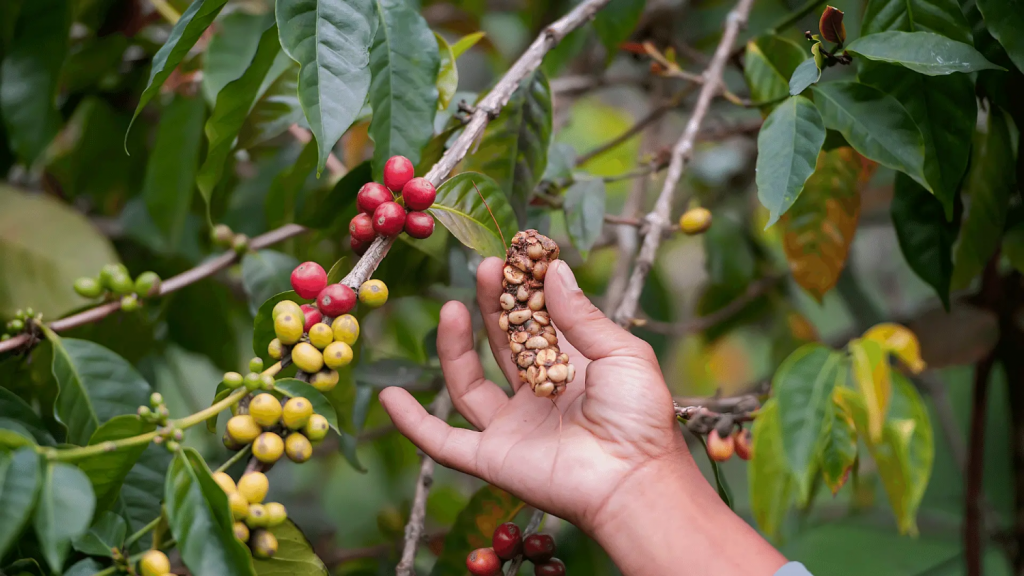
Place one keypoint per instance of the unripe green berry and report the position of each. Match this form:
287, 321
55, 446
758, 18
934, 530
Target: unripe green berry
156, 399
173, 446
122, 284
337, 355
320, 335
108, 272
178, 434
15, 325
266, 382
130, 303
325, 380
288, 327
19, 314
240, 244
222, 235
233, 380
286, 306
162, 414
257, 516
254, 486
147, 284
317, 427
307, 358
88, 287
346, 329
252, 381
256, 365
145, 413
29, 313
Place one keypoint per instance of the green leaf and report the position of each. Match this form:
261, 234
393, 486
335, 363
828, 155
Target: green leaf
19, 484
95, 385
771, 483
489, 508
839, 452
263, 324
925, 238
514, 148
44, 246
295, 555
941, 17
728, 260
13, 435
231, 49
875, 124
1004, 20
186, 31
990, 185
264, 274
923, 52
277, 107
233, 105
1013, 246
584, 213
143, 489
84, 567
65, 507
328, 212
14, 408
802, 386
281, 201
787, 150
107, 471
331, 42
473, 208
466, 42
807, 73
106, 533
614, 23
292, 387
447, 74
200, 519
350, 439
30, 74
561, 162
768, 64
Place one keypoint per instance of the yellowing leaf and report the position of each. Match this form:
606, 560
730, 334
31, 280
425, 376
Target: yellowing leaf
874, 380
900, 341
840, 450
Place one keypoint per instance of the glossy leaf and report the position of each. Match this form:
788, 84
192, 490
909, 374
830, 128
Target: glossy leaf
839, 451
12, 407
923, 52
295, 556
282, 198
234, 43
328, 212
350, 438
331, 42
143, 489
277, 107
264, 274
200, 519
84, 567
807, 73
898, 341
787, 149
263, 324
474, 209
466, 42
875, 124
63, 512
873, 378
20, 480
106, 533
941, 17
107, 471
447, 73
489, 508
768, 64
772, 486
615, 23
1004, 20
728, 259
292, 387
584, 213
925, 238
1013, 247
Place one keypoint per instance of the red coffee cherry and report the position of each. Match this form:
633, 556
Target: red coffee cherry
335, 300
312, 315
419, 225
358, 246
361, 228
372, 195
538, 548
389, 219
483, 562
553, 567
720, 449
419, 194
507, 541
397, 171
308, 279
743, 443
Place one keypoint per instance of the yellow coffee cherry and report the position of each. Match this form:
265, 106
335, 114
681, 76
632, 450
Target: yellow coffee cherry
324, 380
239, 505
268, 447
337, 355
263, 544
320, 335
695, 221
288, 327
307, 358
243, 428
296, 413
254, 486
229, 442
317, 427
275, 349
224, 481
276, 514
265, 409
257, 517
346, 329
298, 448
286, 306
241, 531
154, 563
373, 293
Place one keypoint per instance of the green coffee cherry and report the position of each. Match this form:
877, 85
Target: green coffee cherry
240, 244
144, 412
108, 272
15, 325
122, 284
252, 381
29, 313
256, 365
317, 427
156, 399
147, 284
130, 303
88, 287
222, 235
233, 380
266, 382
173, 446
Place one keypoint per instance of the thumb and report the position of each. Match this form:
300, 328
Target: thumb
582, 323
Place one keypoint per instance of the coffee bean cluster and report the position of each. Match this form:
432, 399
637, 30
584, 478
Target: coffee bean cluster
114, 281
22, 320
507, 543
265, 422
721, 447
381, 213
252, 516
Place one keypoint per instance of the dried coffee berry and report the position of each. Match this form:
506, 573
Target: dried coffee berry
507, 541
418, 194
372, 195
398, 170
336, 299
553, 567
483, 562
310, 316
743, 444
389, 219
419, 225
720, 449
361, 228
254, 486
154, 563
538, 548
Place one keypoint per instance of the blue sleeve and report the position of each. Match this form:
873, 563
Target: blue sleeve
793, 569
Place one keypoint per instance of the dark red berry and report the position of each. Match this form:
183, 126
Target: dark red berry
335, 300
507, 541
418, 194
308, 279
538, 548
397, 171
359, 247
312, 316
372, 195
361, 228
419, 225
553, 567
389, 219
483, 562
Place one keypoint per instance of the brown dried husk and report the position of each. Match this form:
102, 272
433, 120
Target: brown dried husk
531, 335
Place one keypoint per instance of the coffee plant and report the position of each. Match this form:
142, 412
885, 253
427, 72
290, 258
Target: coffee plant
295, 186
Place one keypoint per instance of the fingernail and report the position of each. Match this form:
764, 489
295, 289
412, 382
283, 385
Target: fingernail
566, 276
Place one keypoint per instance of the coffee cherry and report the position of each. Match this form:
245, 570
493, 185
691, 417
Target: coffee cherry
372, 195
276, 514
256, 364
695, 221
336, 299
307, 358
243, 428
553, 567
359, 247
239, 505
288, 328
257, 516
267, 448
298, 448
232, 380
240, 244
507, 541
538, 548
317, 427
122, 284
154, 563
263, 544
320, 335
324, 380
88, 287
743, 444
720, 449
241, 531
16, 325
265, 409
225, 482
373, 293
286, 306
337, 355
130, 303
419, 194
156, 400
266, 382
275, 349
308, 279
483, 562
222, 235
398, 170
147, 284
311, 315
419, 225
230, 443
252, 381
346, 329
361, 228
296, 413
389, 219
108, 272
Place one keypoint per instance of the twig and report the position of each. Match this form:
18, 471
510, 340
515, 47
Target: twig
701, 323
659, 217
653, 116
578, 84
417, 516
531, 528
